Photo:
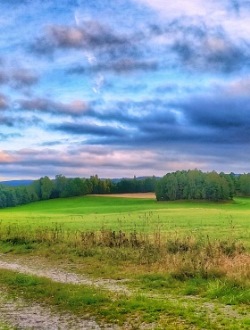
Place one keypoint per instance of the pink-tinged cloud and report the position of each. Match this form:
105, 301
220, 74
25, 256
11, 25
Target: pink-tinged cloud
81, 161
238, 87
91, 35
91, 160
3, 102
66, 36
6, 158
74, 108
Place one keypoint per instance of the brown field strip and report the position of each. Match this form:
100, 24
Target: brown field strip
131, 195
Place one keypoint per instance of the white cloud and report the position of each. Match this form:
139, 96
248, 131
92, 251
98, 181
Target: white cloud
175, 8
214, 13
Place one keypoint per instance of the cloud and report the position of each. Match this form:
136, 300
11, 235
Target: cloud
121, 66
88, 161
8, 136
149, 123
195, 45
3, 102
18, 78
129, 113
5, 158
192, 44
236, 88
200, 119
54, 143
213, 53
235, 5
75, 108
174, 77
23, 78
6, 121
92, 35
18, 121
3, 78
222, 119
90, 129
178, 7
198, 8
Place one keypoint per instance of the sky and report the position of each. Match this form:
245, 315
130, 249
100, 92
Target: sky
123, 88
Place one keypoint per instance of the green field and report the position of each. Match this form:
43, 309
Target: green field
218, 220
186, 265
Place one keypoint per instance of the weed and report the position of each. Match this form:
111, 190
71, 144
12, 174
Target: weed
231, 248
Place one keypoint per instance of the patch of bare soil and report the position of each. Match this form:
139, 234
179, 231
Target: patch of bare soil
133, 195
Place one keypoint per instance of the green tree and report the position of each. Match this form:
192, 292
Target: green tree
244, 184
46, 186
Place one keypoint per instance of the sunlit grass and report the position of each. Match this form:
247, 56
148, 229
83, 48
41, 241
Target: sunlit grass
219, 220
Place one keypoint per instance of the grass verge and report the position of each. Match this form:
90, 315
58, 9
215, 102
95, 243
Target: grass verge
106, 307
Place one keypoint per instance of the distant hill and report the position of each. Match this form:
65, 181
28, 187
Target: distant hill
16, 183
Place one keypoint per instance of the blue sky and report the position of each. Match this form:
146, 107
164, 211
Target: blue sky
123, 88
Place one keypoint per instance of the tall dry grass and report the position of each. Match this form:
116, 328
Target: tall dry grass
182, 257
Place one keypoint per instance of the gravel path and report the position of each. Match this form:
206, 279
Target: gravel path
22, 316
18, 314
65, 277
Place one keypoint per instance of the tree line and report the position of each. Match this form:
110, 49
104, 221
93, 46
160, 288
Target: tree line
60, 187
197, 185
192, 185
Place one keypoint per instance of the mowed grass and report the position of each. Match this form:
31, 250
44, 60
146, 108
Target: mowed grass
92, 213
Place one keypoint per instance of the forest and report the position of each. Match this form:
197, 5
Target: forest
60, 187
196, 185
186, 185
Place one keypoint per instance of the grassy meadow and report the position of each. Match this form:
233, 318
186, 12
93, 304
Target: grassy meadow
185, 264
218, 220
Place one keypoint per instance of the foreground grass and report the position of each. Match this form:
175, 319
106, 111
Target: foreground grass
6, 326
85, 300
109, 308
226, 291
